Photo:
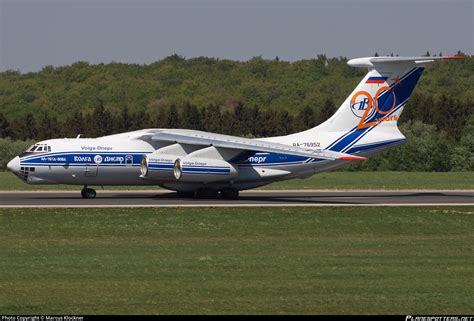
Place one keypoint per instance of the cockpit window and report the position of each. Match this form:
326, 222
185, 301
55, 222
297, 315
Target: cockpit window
38, 148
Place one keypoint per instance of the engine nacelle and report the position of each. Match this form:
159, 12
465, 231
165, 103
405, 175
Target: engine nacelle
158, 166
203, 170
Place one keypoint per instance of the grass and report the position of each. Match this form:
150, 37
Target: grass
233, 261
329, 180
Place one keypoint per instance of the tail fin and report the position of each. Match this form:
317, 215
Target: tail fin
367, 119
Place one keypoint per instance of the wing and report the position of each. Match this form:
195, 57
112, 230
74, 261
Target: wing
200, 138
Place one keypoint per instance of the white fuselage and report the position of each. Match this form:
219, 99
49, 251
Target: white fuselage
115, 160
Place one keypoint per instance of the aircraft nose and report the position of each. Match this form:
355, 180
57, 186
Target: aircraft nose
14, 165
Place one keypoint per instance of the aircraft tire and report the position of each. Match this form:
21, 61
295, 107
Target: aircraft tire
230, 193
88, 193
206, 193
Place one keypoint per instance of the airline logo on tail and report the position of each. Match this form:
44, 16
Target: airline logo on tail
360, 102
365, 107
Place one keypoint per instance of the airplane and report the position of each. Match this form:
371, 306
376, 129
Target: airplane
203, 165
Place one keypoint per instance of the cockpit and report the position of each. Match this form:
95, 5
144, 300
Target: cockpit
39, 148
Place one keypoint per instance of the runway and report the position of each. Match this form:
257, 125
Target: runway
64, 199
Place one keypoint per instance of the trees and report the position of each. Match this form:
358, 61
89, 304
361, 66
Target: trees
4, 126
462, 157
306, 118
191, 117
213, 119
11, 148
243, 119
172, 119
100, 121
426, 149
123, 121
24, 127
329, 108
48, 127
75, 125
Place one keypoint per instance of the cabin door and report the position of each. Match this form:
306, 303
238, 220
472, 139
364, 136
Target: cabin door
91, 170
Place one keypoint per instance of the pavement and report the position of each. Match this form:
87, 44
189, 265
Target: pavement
276, 198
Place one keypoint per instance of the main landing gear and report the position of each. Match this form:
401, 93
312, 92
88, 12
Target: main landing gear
226, 193
230, 193
88, 192
185, 194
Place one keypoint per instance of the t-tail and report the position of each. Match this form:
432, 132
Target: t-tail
366, 121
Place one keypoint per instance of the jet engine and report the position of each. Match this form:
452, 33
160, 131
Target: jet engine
157, 166
203, 170
186, 169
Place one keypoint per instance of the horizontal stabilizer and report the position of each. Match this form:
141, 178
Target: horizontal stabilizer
373, 61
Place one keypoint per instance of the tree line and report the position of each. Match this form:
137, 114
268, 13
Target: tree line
202, 81
240, 120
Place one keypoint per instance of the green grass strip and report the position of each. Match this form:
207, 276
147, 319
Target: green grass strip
248, 261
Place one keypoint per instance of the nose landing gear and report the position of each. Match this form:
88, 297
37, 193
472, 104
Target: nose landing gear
88, 192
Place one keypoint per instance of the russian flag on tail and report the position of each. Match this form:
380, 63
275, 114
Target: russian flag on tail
376, 80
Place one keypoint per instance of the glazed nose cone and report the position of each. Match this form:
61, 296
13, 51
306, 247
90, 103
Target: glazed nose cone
14, 165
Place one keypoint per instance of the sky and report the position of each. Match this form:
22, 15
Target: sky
36, 33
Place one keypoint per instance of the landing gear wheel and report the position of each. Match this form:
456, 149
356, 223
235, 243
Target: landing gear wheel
185, 194
230, 193
88, 193
206, 193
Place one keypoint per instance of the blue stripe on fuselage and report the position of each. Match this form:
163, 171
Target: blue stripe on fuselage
204, 170
82, 158
368, 147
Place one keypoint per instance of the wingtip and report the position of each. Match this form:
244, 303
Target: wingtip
352, 158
